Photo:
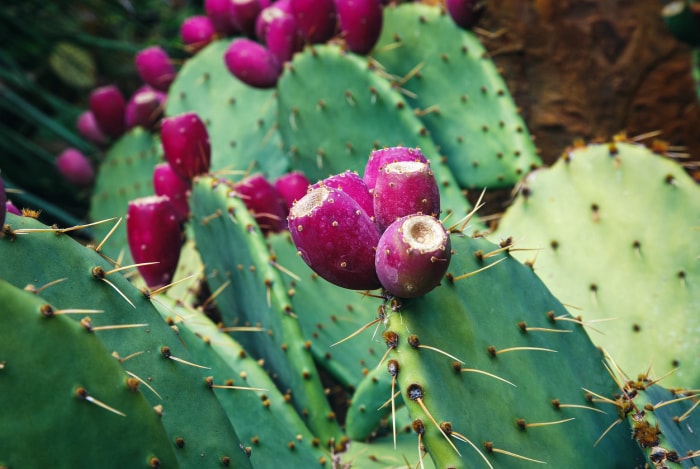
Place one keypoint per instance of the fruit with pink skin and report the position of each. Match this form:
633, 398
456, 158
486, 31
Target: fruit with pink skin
75, 167
360, 23
336, 238
244, 13
196, 32
155, 68
466, 13
264, 202
3, 204
353, 185
186, 144
145, 108
88, 128
167, 183
292, 187
279, 9
316, 19
219, 12
378, 159
154, 235
413, 255
108, 107
283, 38
12, 208
252, 63
405, 188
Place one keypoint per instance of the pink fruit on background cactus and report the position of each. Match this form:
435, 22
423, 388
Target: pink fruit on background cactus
75, 167
378, 159
360, 23
405, 188
279, 9
196, 32
108, 107
283, 38
413, 255
3, 204
167, 183
145, 108
155, 68
336, 238
186, 144
292, 187
153, 233
353, 185
219, 12
466, 13
252, 63
88, 128
317, 19
244, 14
264, 202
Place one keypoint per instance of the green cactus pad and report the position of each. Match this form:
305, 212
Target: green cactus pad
334, 110
264, 421
617, 229
253, 293
47, 421
124, 175
456, 89
146, 346
240, 119
502, 321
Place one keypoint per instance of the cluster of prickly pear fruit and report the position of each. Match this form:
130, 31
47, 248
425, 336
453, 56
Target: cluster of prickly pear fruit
414, 363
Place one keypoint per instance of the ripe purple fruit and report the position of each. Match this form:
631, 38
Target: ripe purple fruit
353, 185
405, 188
75, 167
278, 9
196, 32
186, 145
336, 238
88, 128
167, 183
378, 159
155, 68
219, 12
413, 255
283, 38
3, 204
244, 13
145, 108
316, 19
108, 106
153, 233
360, 23
252, 63
466, 13
292, 187
264, 202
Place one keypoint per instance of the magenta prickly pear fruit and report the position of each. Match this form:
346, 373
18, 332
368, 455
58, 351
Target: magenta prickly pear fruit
3, 204
88, 128
196, 32
244, 14
316, 19
153, 233
12, 208
378, 159
108, 107
283, 38
292, 187
252, 63
466, 13
264, 202
279, 9
360, 23
405, 188
75, 167
336, 238
155, 68
353, 185
413, 255
167, 183
219, 12
186, 144
145, 108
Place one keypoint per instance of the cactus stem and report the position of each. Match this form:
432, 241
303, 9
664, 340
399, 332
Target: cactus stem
492, 350
470, 274
463, 438
109, 234
415, 393
473, 370
83, 394
133, 375
165, 351
607, 430
32, 289
489, 447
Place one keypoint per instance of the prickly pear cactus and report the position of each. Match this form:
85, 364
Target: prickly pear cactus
617, 231
81, 409
240, 119
455, 88
70, 276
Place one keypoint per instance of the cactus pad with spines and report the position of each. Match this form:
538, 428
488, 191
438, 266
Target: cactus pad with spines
616, 226
455, 88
